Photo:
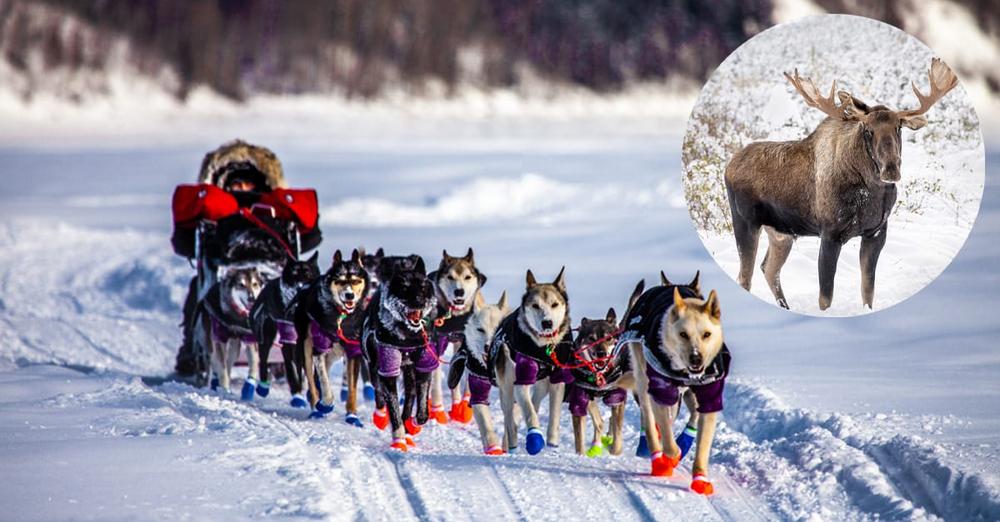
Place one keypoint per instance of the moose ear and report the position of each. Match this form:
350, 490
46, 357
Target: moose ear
560, 281
530, 279
913, 122
853, 107
663, 279
502, 303
695, 283
612, 317
679, 303
468, 255
337, 257
712, 305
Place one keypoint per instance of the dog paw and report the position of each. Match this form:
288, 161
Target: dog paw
493, 450
399, 445
596, 450
299, 401
552, 444
263, 388
642, 450
466, 416
324, 408
701, 485
662, 465
456, 412
438, 414
607, 440
247, 392
534, 442
409, 440
380, 418
369, 392
214, 384
343, 393
686, 439
412, 427
353, 420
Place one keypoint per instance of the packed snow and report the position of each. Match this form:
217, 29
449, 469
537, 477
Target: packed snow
888, 416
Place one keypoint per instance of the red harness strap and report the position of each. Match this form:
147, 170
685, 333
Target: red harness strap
246, 213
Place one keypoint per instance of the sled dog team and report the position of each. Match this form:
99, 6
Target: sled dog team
388, 318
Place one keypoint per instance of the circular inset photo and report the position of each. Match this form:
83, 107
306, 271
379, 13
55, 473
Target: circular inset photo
833, 165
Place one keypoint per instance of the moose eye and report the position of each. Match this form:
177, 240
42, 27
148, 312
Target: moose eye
684, 335
706, 335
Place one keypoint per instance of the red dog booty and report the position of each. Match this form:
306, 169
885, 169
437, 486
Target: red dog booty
398, 444
380, 418
663, 466
412, 428
701, 485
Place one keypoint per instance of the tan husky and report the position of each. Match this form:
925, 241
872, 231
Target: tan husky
479, 331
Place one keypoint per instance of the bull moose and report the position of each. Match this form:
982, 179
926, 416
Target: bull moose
837, 183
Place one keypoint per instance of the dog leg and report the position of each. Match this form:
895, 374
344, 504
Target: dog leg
642, 394
687, 437
617, 421
326, 362
594, 411
232, 352
505, 377
387, 389
538, 392
699, 472
253, 373
218, 362
484, 420
352, 370
423, 384
556, 393
534, 443
309, 378
579, 426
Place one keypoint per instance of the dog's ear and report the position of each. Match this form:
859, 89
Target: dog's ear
502, 303
418, 264
445, 257
380, 253
663, 279
314, 258
695, 283
481, 278
356, 257
468, 255
337, 257
584, 322
612, 317
679, 303
530, 279
712, 306
560, 282
639, 287
361, 250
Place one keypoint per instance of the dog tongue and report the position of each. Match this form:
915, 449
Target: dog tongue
414, 316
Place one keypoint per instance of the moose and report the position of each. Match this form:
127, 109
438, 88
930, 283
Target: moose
837, 183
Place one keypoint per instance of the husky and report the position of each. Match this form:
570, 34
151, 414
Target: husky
525, 353
473, 356
224, 319
396, 342
328, 319
272, 319
676, 344
372, 264
457, 284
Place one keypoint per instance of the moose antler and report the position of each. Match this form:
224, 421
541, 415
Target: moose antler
813, 98
942, 80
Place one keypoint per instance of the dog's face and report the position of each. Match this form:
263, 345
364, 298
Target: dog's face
544, 307
483, 323
239, 288
692, 333
373, 265
598, 336
298, 274
409, 297
346, 280
458, 280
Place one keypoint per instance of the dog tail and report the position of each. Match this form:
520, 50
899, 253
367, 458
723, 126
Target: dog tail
640, 287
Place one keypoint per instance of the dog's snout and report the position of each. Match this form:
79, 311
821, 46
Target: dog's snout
459, 292
547, 323
349, 295
696, 359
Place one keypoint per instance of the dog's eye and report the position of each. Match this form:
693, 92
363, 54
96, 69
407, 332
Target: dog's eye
555, 305
706, 335
481, 330
535, 306
684, 335
451, 277
468, 277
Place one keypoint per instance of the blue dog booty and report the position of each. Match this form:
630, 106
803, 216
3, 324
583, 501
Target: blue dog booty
215, 384
686, 439
343, 392
643, 449
299, 401
353, 420
263, 388
535, 441
369, 392
248, 389
324, 408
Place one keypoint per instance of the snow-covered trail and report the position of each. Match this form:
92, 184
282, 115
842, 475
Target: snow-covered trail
89, 301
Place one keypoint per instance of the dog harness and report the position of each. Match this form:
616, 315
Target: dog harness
531, 362
644, 322
279, 308
224, 327
324, 338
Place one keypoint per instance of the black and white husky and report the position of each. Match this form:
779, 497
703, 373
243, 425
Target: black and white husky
396, 343
272, 321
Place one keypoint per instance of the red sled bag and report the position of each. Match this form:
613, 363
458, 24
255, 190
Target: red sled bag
299, 205
193, 203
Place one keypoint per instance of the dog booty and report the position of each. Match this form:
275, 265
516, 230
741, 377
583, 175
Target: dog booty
535, 441
353, 420
662, 465
438, 414
409, 440
456, 413
247, 392
369, 392
642, 450
343, 392
595, 451
324, 408
299, 401
263, 388
686, 439
412, 428
380, 418
399, 444
215, 384
701, 485
493, 450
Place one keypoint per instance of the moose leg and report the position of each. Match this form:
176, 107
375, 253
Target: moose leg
829, 252
747, 236
871, 247
778, 247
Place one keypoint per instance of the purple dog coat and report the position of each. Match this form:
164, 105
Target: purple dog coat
479, 388
286, 332
580, 398
664, 391
222, 334
323, 341
526, 371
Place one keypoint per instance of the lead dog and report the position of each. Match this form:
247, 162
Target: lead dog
457, 284
224, 319
676, 343
327, 315
524, 352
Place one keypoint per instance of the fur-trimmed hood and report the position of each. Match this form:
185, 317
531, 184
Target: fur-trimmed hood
214, 171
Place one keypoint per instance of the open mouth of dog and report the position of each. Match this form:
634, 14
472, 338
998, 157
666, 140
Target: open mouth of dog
696, 369
458, 304
414, 318
349, 305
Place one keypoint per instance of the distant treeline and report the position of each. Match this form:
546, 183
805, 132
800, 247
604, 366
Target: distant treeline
363, 47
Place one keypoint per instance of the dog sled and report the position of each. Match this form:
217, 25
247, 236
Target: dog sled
240, 215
